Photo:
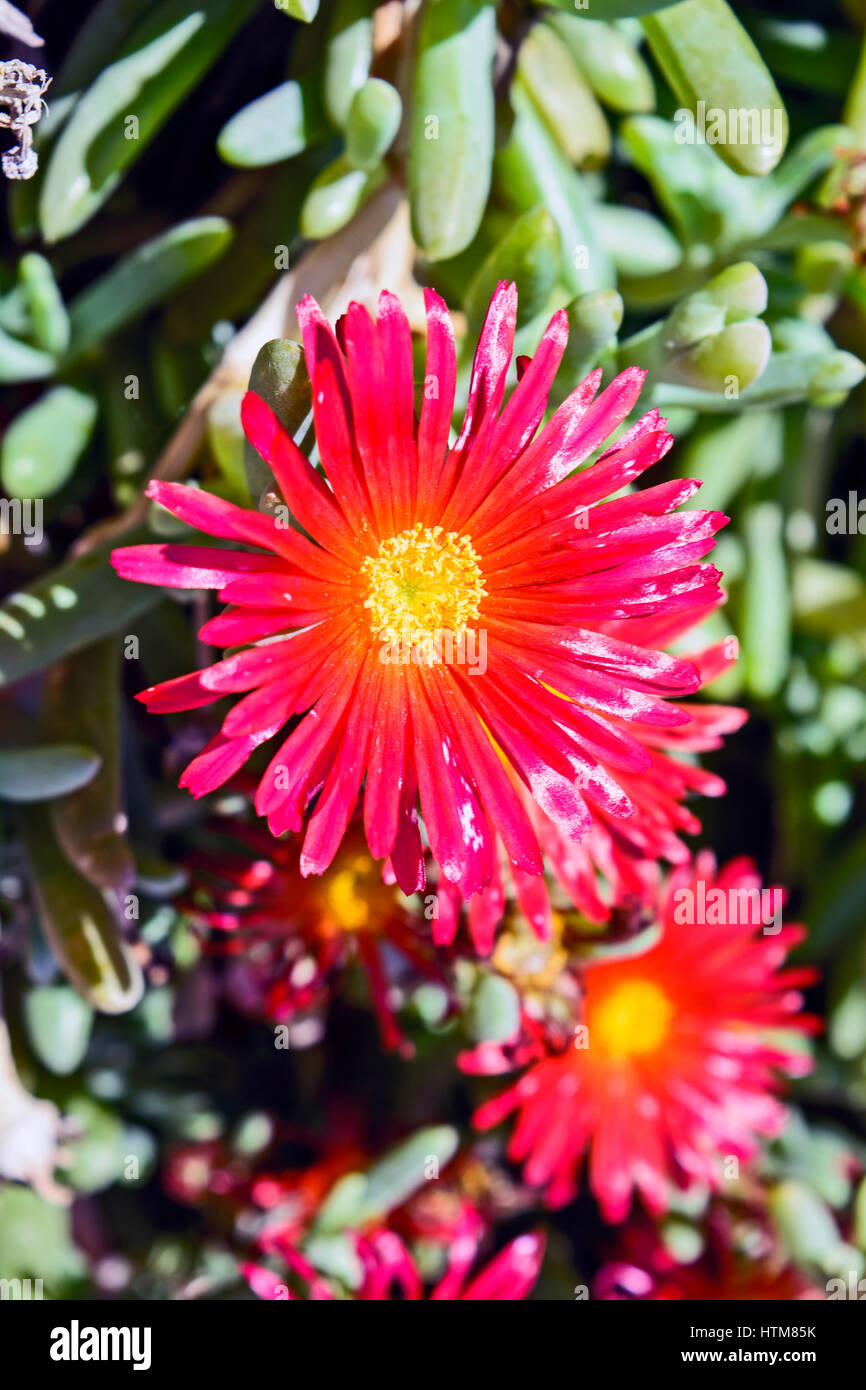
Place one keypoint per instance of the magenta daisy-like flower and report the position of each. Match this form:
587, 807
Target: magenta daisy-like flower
679, 1057
437, 631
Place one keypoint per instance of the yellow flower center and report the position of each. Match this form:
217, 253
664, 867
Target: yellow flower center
348, 909
354, 897
422, 583
631, 1020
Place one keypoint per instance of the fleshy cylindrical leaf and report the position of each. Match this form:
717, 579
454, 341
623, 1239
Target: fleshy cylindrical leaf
373, 122
146, 277
65, 609
81, 927
609, 61
348, 55
529, 255
452, 124
639, 243
718, 74
163, 58
43, 444
274, 127
59, 1024
531, 170
46, 771
82, 700
335, 196
280, 377
766, 627
45, 304
564, 99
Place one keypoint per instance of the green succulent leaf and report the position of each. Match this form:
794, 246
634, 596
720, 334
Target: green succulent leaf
305, 10
274, 127
563, 98
65, 610
529, 255
59, 1025
639, 243
146, 277
37, 1241
45, 771
708, 204
45, 303
348, 55
359, 1198
280, 377
609, 61
727, 74
806, 1224
766, 628
725, 453
96, 1156
156, 66
44, 443
402, 1171
530, 170
610, 9
452, 124
21, 362
807, 54
335, 195
373, 122
593, 323
494, 1010
82, 700
80, 925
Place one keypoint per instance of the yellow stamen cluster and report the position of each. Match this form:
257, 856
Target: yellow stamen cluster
631, 1020
354, 897
421, 583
